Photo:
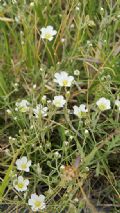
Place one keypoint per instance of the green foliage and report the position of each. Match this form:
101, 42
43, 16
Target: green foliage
75, 169
3, 86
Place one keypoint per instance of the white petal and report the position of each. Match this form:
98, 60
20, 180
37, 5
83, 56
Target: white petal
51, 38
76, 108
43, 206
54, 32
64, 74
30, 202
71, 78
24, 159
26, 182
14, 182
34, 196
57, 75
17, 162
43, 29
27, 169
29, 163
49, 28
41, 198
20, 179
83, 108
34, 209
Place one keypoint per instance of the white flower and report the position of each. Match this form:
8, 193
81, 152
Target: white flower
63, 79
16, 85
9, 111
86, 132
14, 1
49, 102
57, 154
62, 167
71, 137
32, 4
37, 202
117, 103
103, 104
17, 19
23, 105
66, 143
62, 40
37, 168
43, 99
7, 152
12, 139
77, 8
34, 86
31, 127
72, 26
21, 184
89, 43
80, 111
76, 72
101, 8
76, 200
66, 132
48, 33
59, 101
23, 164
40, 110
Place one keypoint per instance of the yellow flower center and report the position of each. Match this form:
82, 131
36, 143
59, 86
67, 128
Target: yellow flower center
57, 103
23, 166
20, 185
80, 114
23, 109
65, 82
102, 107
37, 204
48, 36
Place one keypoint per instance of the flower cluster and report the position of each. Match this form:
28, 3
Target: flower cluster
20, 184
24, 106
62, 79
